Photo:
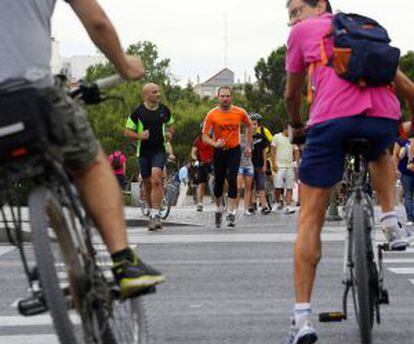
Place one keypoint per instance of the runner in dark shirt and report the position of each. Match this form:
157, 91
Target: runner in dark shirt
150, 124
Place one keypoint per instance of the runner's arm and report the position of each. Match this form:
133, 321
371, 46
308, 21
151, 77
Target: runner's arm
170, 133
293, 95
404, 87
249, 132
170, 129
210, 141
132, 134
105, 37
249, 136
296, 154
273, 157
207, 129
194, 151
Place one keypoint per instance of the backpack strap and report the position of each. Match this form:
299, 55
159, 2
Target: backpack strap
324, 61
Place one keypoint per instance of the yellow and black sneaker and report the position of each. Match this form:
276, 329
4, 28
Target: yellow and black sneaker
132, 275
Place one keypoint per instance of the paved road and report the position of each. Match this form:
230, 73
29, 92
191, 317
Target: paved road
230, 286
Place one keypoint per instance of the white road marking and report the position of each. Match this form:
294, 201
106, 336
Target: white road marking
38, 320
6, 249
229, 237
402, 271
32, 339
398, 261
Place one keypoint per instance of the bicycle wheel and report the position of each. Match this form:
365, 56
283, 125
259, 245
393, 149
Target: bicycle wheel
167, 201
129, 322
77, 317
362, 260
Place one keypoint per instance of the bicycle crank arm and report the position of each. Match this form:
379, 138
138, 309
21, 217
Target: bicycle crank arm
332, 317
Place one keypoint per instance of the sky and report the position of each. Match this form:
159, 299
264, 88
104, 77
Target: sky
192, 33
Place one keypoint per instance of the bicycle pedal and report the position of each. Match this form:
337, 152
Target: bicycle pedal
331, 317
384, 298
33, 305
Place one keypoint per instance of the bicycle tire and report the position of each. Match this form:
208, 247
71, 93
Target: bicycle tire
169, 199
45, 213
129, 322
361, 241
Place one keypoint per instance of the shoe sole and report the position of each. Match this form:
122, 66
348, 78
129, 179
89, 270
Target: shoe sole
129, 288
308, 339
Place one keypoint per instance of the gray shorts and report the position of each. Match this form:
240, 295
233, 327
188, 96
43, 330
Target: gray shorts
71, 126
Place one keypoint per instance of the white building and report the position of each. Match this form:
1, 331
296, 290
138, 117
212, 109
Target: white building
75, 66
210, 87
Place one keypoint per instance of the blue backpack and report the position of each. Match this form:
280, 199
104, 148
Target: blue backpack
362, 51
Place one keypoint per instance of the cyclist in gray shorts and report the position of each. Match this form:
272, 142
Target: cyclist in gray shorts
25, 55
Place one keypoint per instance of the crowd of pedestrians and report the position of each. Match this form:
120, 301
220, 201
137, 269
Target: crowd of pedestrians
346, 101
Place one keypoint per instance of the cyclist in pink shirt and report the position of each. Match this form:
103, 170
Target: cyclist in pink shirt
340, 111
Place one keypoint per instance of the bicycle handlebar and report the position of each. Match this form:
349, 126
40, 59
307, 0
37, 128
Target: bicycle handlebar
110, 81
91, 93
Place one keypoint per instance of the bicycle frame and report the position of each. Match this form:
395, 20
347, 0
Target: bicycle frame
359, 185
46, 169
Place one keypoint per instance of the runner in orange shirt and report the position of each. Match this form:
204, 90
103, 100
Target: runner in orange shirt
222, 131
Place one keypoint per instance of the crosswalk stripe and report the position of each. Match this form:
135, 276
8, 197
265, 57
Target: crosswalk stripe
229, 237
6, 249
32, 339
402, 271
398, 261
38, 320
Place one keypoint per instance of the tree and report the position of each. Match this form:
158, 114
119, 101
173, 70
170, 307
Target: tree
156, 68
407, 64
266, 96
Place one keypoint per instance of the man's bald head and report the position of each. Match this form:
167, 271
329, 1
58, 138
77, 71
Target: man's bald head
151, 93
149, 87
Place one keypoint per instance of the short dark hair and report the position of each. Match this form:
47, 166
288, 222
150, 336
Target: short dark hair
314, 3
224, 88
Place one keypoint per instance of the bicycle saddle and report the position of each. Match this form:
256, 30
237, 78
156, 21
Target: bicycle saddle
358, 146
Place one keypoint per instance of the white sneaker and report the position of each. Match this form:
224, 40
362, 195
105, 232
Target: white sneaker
396, 237
304, 334
248, 212
409, 224
279, 206
289, 210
